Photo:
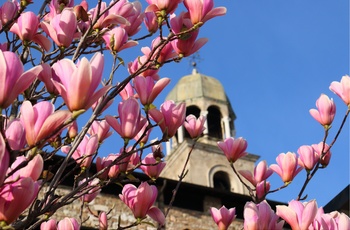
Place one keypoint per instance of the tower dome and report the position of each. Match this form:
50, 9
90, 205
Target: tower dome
195, 86
206, 96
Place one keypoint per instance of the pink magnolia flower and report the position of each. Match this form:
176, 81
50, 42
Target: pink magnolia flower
134, 160
62, 28
107, 19
123, 8
140, 200
170, 117
78, 83
72, 130
298, 215
148, 90
287, 166
103, 221
223, 217
49, 225
12, 79
26, 28
41, 120
135, 20
127, 91
194, 126
316, 223
102, 163
123, 164
233, 148
333, 220
326, 110
186, 44
307, 157
130, 119
85, 152
342, 89
343, 221
262, 188
151, 22
141, 136
260, 216
4, 159
114, 171
46, 76
322, 149
160, 6
68, 224
165, 54
152, 167
101, 129
15, 134
117, 39
82, 15
56, 7
8, 11
133, 67
32, 170
325, 221
91, 190
203, 10
261, 173
16, 197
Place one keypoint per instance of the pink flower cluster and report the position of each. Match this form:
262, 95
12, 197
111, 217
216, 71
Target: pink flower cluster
297, 214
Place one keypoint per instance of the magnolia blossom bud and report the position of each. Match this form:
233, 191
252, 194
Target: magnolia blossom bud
342, 89
326, 110
223, 217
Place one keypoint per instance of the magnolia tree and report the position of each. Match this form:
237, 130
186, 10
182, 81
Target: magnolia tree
51, 73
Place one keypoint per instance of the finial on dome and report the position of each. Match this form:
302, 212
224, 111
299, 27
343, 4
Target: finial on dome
194, 59
194, 65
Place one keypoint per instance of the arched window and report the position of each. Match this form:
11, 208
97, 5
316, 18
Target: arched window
214, 122
222, 181
192, 110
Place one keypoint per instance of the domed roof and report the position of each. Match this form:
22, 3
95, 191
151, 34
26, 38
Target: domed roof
197, 85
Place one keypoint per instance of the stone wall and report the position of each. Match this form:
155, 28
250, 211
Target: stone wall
178, 218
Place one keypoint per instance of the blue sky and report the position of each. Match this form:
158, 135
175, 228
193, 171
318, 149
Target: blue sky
274, 59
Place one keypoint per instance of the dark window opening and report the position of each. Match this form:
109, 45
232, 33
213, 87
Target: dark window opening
222, 181
186, 197
214, 122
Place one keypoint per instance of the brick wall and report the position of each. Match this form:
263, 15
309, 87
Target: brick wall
177, 219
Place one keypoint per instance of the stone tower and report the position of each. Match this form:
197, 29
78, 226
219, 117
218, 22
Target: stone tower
208, 166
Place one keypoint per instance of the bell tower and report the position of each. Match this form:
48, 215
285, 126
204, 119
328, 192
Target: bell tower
208, 166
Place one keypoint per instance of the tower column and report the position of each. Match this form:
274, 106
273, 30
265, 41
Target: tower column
226, 121
168, 148
205, 113
180, 134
